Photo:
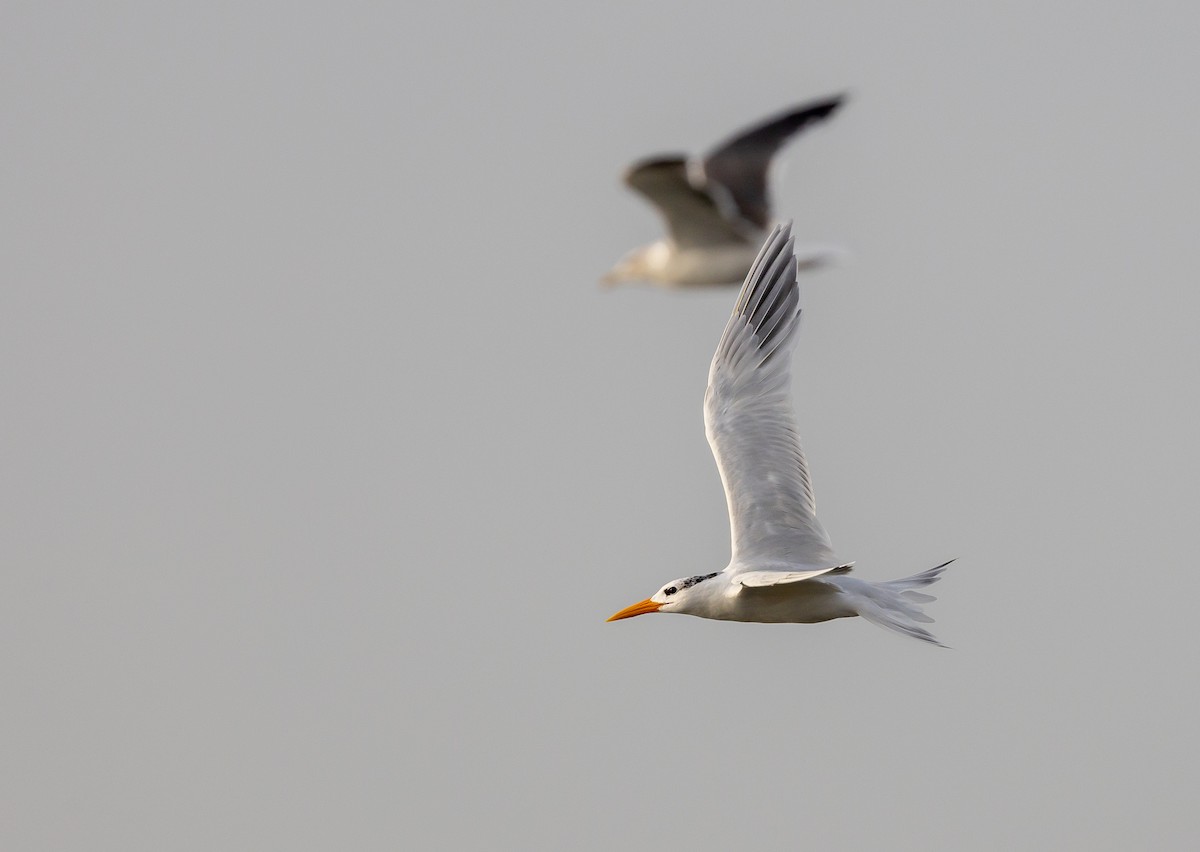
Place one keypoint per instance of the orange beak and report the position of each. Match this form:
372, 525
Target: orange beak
639, 608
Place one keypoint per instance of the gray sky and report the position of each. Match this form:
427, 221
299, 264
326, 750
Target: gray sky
323, 459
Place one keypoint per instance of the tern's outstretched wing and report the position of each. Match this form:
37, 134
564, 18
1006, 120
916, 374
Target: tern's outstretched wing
750, 426
740, 165
692, 217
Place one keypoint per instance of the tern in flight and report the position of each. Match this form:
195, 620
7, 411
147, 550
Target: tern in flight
783, 567
717, 209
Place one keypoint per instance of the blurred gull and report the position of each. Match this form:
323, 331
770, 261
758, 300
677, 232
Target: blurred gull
717, 209
783, 567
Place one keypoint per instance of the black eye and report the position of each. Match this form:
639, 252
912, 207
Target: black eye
670, 590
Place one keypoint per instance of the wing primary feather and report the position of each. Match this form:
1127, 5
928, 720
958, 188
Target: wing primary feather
758, 286
768, 296
767, 284
755, 278
783, 307
782, 342
776, 296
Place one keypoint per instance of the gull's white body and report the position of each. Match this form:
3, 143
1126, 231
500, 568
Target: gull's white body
783, 567
666, 264
716, 208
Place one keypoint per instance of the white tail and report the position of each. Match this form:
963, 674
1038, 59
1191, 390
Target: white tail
896, 604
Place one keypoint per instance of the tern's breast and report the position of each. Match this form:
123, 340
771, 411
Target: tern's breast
806, 602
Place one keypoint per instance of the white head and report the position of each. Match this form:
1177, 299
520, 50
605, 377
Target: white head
644, 264
676, 596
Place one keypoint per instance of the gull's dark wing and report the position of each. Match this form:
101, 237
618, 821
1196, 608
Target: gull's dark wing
740, 164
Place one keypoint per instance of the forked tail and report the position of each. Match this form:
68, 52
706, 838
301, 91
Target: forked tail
896, 604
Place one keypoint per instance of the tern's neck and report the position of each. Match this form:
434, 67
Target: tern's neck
708, 599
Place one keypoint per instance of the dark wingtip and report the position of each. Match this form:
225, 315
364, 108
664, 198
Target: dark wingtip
833, 101
820, 108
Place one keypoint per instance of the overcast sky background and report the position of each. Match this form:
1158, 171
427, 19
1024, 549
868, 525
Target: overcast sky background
323, 458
